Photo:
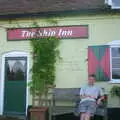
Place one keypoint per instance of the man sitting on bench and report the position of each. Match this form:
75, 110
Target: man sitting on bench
89, 99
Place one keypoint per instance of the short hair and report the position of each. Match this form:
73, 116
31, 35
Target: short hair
92, 75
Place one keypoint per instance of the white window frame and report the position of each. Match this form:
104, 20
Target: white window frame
115, 43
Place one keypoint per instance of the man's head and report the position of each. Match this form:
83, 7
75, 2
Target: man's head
91, 79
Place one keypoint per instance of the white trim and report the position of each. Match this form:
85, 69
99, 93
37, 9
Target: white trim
12, 54
113, 44
110, 64
114, 81
115, 7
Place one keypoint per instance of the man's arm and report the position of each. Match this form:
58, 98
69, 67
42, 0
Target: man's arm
101, 96
83, 96
82, 93
100, 100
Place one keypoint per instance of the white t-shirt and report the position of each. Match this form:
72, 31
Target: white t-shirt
91, 91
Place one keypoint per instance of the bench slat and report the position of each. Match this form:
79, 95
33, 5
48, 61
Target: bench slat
60, 110
65, 93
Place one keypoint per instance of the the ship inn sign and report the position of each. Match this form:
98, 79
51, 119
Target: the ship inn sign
61, 32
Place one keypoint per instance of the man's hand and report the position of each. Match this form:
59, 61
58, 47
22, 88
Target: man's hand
91, 96
100, 100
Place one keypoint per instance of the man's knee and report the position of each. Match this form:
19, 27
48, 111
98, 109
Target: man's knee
87, 116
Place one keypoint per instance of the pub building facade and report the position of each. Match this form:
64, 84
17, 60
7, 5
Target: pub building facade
90, 44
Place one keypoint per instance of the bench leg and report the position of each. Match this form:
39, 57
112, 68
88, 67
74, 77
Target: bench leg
106, 114
53, 118
105, 117
50, 110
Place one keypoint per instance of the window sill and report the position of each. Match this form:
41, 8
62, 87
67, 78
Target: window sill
114, 81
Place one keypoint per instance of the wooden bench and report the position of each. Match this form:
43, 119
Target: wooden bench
66, 100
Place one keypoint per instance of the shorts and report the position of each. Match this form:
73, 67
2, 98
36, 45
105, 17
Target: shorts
87, 107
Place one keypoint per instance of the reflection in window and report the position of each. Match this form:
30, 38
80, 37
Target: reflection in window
15, 69
115, 52
115, 63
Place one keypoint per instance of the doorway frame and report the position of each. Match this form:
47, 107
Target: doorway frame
12, 54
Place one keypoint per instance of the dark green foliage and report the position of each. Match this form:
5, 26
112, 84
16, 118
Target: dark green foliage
115, 91
9, 118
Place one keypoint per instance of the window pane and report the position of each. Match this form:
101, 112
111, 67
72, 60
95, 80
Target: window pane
115, 73
15, 69
115, 62
115, 52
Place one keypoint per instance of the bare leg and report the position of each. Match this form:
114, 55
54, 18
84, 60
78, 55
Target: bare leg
87, 116
82, 116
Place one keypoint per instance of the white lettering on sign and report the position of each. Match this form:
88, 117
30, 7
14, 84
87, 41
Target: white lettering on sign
65, 32
26, 33
46, 32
